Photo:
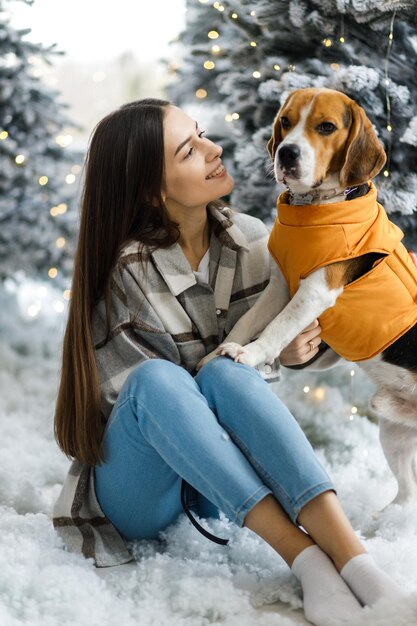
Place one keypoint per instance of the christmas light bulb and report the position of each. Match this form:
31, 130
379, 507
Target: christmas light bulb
43, 180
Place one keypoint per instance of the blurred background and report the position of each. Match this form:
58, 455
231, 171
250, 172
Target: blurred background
230, 65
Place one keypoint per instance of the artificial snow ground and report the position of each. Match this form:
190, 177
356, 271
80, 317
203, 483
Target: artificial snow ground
185, 580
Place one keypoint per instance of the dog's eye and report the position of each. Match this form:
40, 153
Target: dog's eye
285, 123
326, 128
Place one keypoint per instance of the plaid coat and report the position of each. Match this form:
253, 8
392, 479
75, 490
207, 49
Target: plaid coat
159, 310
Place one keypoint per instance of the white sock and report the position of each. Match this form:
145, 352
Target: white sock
368, 582
327, 599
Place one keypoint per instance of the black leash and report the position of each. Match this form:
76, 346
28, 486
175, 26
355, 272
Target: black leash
207, 535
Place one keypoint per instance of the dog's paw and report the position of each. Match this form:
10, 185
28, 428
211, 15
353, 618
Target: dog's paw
251, 354
231, 349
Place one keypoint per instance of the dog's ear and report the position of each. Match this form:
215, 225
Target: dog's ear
365, 154
276, 136
276, 130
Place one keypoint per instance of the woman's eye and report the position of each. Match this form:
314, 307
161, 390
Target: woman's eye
326, 128
190, 151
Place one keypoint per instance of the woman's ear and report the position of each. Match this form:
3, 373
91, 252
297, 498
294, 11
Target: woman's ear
365, 154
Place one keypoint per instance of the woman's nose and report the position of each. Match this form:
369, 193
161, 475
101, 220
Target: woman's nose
214, 151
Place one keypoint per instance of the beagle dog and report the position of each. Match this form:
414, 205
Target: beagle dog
339, 259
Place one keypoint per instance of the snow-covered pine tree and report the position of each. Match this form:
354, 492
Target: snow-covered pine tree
247, 55
37, 213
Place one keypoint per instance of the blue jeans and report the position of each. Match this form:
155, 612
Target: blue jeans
225, 432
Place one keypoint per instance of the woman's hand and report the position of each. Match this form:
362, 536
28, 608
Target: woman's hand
303, 347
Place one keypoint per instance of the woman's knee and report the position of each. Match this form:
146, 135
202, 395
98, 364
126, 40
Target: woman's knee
156, 374
222, 372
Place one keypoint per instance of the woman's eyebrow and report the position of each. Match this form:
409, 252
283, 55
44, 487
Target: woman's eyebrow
182, 144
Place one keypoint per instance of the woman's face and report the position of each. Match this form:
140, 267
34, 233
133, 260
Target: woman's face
194, 173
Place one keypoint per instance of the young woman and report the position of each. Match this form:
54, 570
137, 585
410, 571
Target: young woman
162, 272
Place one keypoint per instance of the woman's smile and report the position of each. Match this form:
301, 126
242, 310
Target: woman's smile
218, 172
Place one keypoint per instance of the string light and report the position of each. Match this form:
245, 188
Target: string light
327, 42
58, 210
60, 242
33, 309
20, 158
67, 294
342, 29
319, 393
387, 97
253, 13
201, 93
256, 74
59, 306
231, 117
52, 272
63, 140
253, 44
76, 169
213, 34
3, 135
215, 49
306, 389
69, 179
277, 67
234, 16
43, 180
209, 65
353, 409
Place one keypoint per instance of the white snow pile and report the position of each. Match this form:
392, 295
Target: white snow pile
183, 580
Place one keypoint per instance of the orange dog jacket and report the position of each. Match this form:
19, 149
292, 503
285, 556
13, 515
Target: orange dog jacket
377, 308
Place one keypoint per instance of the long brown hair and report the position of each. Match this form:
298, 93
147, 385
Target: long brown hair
121, 201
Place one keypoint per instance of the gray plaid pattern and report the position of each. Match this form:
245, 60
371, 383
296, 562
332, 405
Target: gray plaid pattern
159, 310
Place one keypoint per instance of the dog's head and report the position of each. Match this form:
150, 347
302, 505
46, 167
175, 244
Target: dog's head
321, 137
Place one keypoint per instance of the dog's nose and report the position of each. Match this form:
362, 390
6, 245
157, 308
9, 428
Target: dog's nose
289, 154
